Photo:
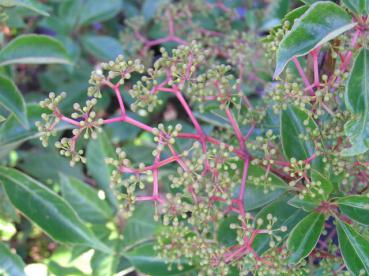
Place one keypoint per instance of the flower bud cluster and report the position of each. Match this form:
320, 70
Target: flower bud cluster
286, 92
51, 119
126, 188
181, 243
297, 169
216, 84
90, 125
67, 148
265, 147
164, 137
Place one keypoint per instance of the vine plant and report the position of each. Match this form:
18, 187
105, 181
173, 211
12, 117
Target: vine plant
252, 194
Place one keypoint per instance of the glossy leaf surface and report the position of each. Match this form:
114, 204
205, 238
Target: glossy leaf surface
354, 248
33, 49
322, 22
48, 210
356, 207
304, 237
9, 262
84, 200
357, 102
11, 98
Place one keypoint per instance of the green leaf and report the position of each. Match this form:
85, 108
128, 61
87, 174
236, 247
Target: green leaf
145, 259
286, 216
141, 226
149, 7
7, 210
296, 122
357, 6
304, 237
321, 193
28, 4
354, 249
357, 102
84, 200
226, 235
322, 22
12, 134
97, 151
97, 10
51, 159
356, 207
11, 98
295, 14
33, 49
59, 270
10, 263
48, 210
309, 2
103, 264
259, 194
102, 47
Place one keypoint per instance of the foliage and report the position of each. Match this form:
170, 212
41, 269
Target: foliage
211, 138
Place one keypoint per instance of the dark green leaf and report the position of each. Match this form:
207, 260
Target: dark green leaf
45, 208
357, 6
145, 259
357, 102
28, 4
259, 194
355, 207
84, 200
10, 263
141, 226
97, 10
33, 49
354, 249
295, 14
286, 216
225, 234
97, 151
150, 7
7, 210
317, 195
102, 47
11, 98
304, 237
12, 134
103, 264
53, 161
322, 22
296, 122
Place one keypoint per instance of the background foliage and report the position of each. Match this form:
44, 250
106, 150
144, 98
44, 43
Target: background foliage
69, 220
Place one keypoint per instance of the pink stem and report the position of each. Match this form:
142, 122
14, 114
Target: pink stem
120, 100
244, 178
315, 55
303, 76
